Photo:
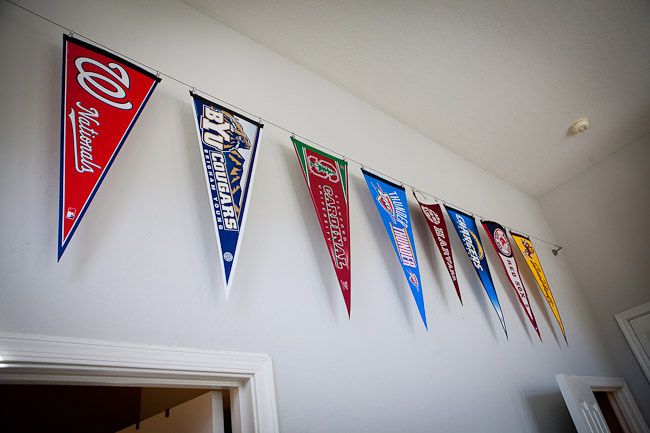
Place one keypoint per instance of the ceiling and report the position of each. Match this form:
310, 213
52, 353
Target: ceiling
498, 82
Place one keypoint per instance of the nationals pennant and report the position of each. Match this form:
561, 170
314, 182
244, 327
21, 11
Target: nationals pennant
228, 143
468, 232
102, 97
392, 206
436, 221
327, 181
530, 255
499, 240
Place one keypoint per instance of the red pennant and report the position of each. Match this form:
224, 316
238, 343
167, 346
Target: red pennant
499, 240
103, 95
433, 214
327, 181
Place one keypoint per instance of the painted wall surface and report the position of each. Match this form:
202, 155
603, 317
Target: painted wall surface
142, 267
602, 217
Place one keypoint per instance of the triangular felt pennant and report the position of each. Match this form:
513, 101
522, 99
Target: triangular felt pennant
228, 142
468, 232
327, 181
102, 97
499, 240
392, 206
436, 221
530, 255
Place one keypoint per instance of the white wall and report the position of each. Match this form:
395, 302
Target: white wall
602, 217
143, 268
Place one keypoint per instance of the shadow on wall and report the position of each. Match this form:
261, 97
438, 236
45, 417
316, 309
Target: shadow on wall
550, 413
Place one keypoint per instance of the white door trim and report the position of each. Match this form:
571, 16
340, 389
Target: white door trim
624, 318
618, 389
31, 359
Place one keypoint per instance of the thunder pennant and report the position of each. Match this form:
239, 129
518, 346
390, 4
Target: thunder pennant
530, 255
468, 232
436, 221
499, 240
228, 143
392, 206
327, 181
102, 97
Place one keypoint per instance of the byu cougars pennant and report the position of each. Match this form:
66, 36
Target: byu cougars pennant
327, 181
436, 221
102, 97
530, 255
392, 206
228, 143
499, 240
468, 232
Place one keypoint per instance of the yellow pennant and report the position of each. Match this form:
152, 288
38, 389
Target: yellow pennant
528, 251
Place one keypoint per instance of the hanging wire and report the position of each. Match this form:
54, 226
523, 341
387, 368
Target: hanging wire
291, 132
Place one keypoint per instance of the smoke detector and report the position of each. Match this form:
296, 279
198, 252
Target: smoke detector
580, 125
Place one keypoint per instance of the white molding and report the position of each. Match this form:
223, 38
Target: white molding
26, 358
621, 394
624, 318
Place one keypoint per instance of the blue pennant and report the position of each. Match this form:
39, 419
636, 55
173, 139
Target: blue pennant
228, 143
393, 209
468, 232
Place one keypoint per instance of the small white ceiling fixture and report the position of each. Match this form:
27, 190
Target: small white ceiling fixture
580, 125
493, 81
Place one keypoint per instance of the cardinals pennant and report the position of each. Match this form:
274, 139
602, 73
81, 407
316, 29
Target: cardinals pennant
102, 97
468, 232
327, 182
436, 221
530, 255
499, 240
228, 142
392, 206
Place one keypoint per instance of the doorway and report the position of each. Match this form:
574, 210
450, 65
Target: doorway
601, 404
37, 360
612, 412
94, 409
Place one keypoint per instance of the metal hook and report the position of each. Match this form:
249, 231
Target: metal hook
556, 250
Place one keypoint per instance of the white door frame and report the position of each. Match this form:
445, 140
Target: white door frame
38, 359
624, 318
620, 392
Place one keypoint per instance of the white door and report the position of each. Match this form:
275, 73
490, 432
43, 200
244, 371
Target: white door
635, 324
582, 405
